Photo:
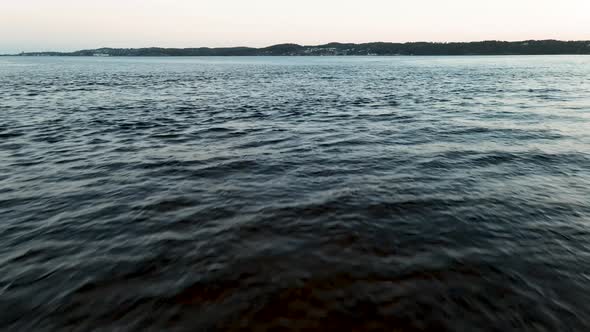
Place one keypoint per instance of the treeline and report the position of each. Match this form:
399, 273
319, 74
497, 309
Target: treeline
530, 47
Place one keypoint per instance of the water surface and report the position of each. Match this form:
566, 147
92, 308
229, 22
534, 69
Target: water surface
357, 193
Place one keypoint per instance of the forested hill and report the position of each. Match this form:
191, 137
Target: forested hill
419, 48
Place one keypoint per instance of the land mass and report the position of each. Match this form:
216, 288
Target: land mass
528, 47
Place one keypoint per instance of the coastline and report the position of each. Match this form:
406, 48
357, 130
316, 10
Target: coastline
480, 48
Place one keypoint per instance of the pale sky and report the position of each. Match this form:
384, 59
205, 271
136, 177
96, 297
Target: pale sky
28, 25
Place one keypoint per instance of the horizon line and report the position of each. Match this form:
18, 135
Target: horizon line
311, 45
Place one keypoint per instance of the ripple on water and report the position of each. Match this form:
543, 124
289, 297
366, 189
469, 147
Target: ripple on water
401, 193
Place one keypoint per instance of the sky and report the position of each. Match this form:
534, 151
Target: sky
65, 25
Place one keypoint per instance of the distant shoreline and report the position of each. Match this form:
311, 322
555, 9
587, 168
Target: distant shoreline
285, 56
527, 47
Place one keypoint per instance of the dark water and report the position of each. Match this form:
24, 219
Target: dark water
391, 194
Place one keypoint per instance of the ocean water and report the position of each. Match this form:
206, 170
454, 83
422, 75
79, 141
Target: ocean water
327, 193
